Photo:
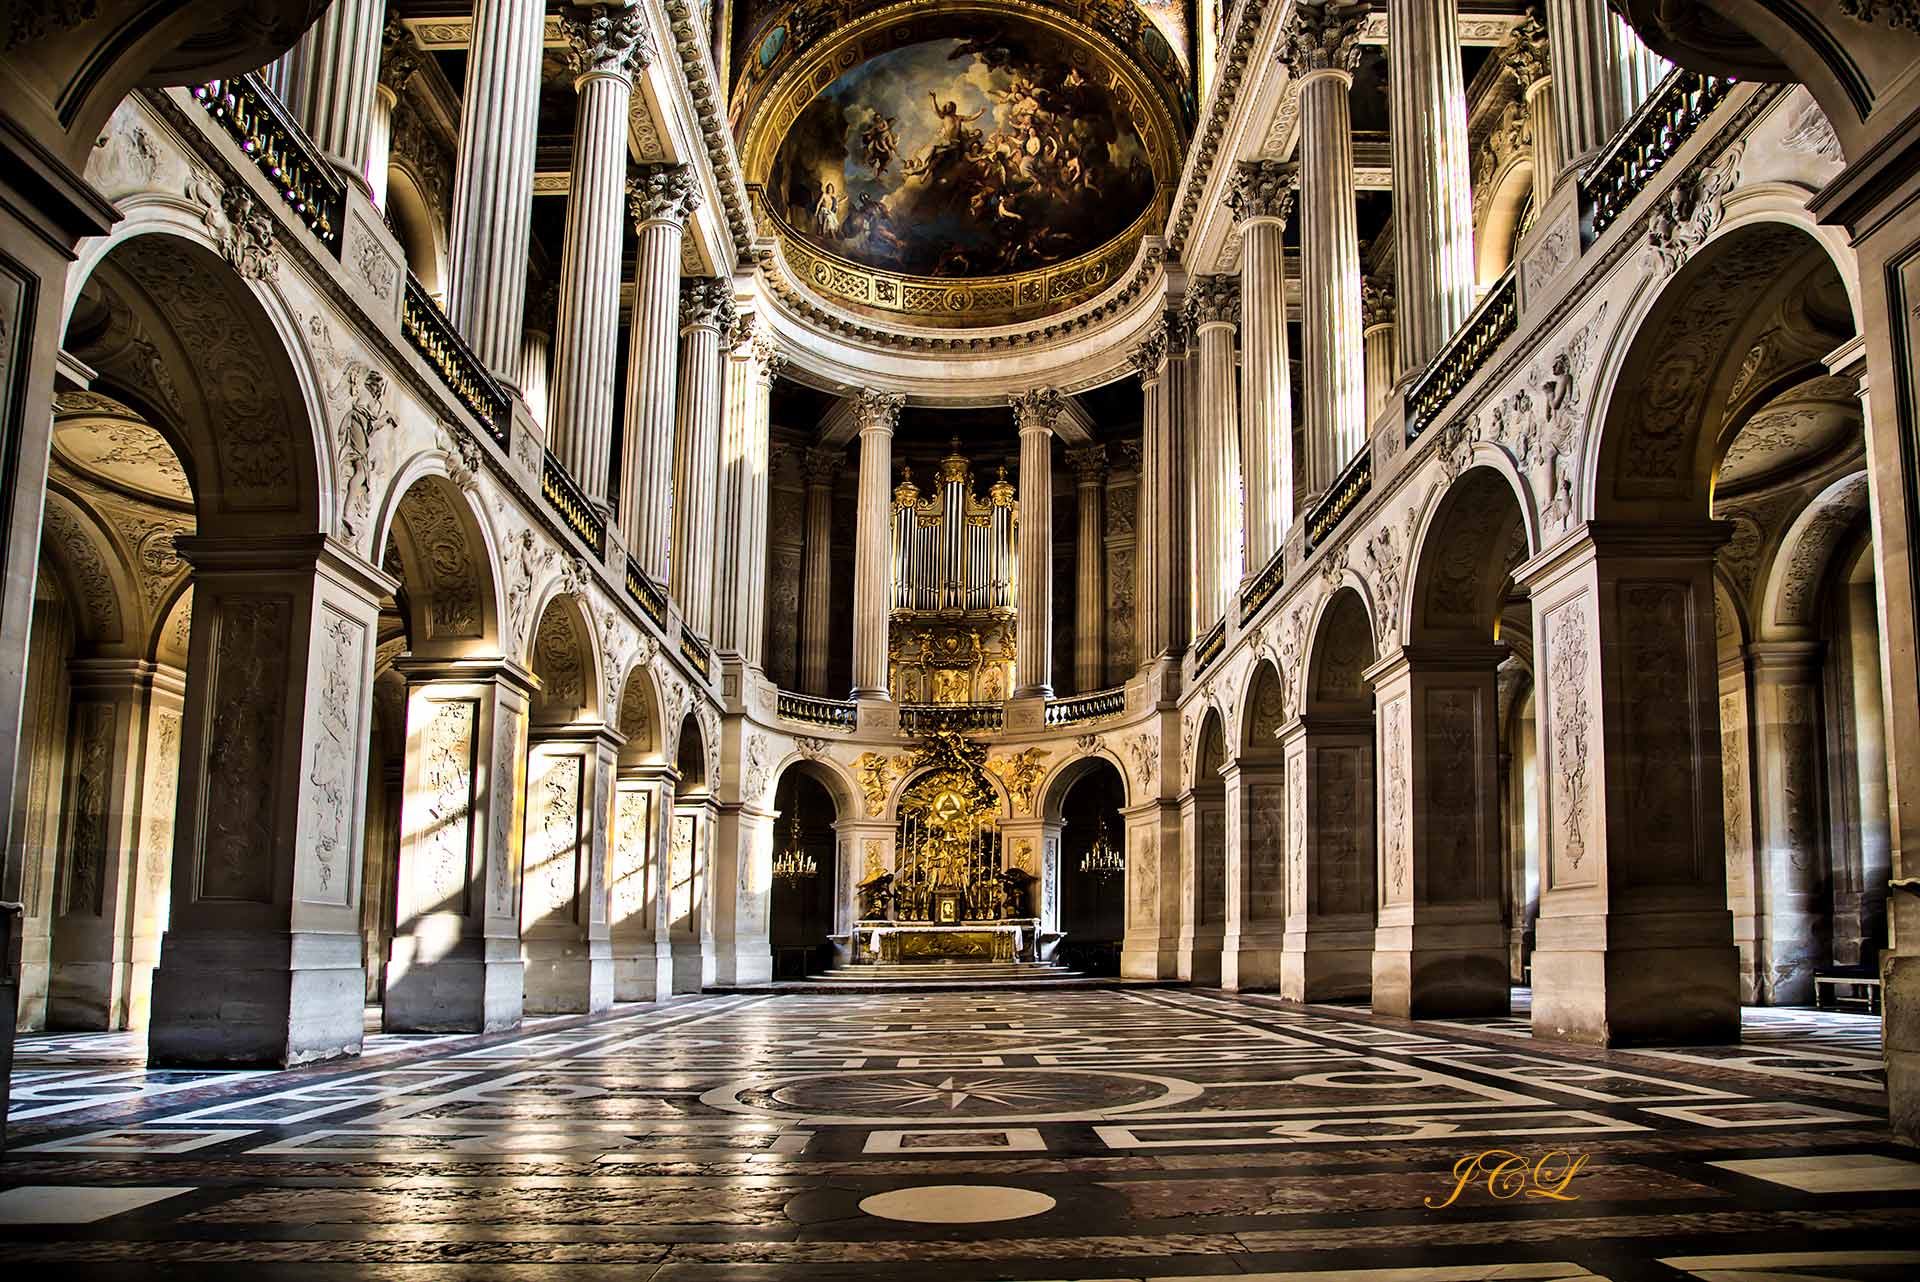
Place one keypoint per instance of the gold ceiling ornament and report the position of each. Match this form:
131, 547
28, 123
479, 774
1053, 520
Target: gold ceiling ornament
1021, 772
807, 49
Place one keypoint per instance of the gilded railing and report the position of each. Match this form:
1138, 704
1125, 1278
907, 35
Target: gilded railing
1094, 706
928, 718
1209, 647
249, 112
1353, 485
564, 496
653, 602
431, 334
835, 714
1269, 581
1471, 346
1650, 139
695, 651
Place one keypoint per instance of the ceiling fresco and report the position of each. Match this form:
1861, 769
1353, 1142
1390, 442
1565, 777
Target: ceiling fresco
960, 162
963, 157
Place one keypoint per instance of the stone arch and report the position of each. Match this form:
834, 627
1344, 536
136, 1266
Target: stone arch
1263, 711
1511, 188
563, 654
208, 359
823, 771
1654, 440
417, 226
1342, 650
1053, 793
1463, 562
640, 718
447, 565
173, 627
690, 757
1811, 542
93, 574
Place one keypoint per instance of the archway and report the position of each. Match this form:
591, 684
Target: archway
1257, 905
1330, 780
806, 874
1085, 798
261, 960
1204, 835
1442, 947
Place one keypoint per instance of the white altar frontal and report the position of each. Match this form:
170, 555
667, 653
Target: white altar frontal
1009, 940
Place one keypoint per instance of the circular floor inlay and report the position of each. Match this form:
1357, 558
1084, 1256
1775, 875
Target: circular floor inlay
957, 1204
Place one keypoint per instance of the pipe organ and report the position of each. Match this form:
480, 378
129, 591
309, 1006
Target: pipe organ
951, 634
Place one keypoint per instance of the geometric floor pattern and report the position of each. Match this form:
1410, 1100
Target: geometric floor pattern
1110, 1134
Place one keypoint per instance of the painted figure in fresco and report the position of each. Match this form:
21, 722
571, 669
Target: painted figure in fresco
826, 214
880, 144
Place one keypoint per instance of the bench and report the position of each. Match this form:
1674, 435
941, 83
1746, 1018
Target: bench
1824, 986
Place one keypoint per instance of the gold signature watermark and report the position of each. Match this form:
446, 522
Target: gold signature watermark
1509, 1175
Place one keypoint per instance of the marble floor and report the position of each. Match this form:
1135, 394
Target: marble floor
1087, 1134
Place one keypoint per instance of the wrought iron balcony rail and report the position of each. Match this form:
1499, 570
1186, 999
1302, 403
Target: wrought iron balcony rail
928, 718
1656, 132
1209, 647
1354, 484
431, 334
835, 714
696, 652
564, 496
1472, 345
1095, 705
250, 113
1271, 578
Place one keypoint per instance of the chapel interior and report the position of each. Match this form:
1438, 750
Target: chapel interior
981, 639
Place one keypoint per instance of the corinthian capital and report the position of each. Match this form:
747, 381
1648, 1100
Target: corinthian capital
1376, 302
878, 411
1323, 37
707, 300
1528, 58
1213, 300
1038, 410
1263, 189
605, 40
662, 192
1147, 358
399, 56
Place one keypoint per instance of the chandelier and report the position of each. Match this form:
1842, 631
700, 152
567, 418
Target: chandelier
1105, 859
793, 863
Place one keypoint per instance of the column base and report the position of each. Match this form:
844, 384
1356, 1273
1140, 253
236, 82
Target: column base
642, 973
1436, 970
691, 966
1900, 977
1328, 964
265, 999
567, 976
95, 996
746, 966
472, 986
1593, 987
1250, 961
1148, 961
1198, 960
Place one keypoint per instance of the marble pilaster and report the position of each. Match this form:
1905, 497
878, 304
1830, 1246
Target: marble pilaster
1150, 947
1791, 847
1262, 199
563, 913
637, 883
493, 181
1327, 952
605, 46
1089, 581
454, 964
1380, 354
660, 200
1321, 49
879, 414
1432, 189
739, 589
822, 466
689, 910
1152, 562
536, 354
706, 313
1213, 308
1253, 938
1034, 414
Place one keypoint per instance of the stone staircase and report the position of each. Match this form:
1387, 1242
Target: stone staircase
947, 972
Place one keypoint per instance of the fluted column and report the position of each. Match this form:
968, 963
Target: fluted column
328, 82
706, 312
1262, 199
879, 413
1089, 580
605, 46
1529, 61
1213, 306
1321, 48
493, 181
660, 200
1035, 413
536, 352
1600, 70
1376, 337
399, 63
1151, 512
739, 589
1432, 192
816, 590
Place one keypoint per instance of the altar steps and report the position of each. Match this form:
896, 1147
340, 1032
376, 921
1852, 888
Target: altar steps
935, 976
